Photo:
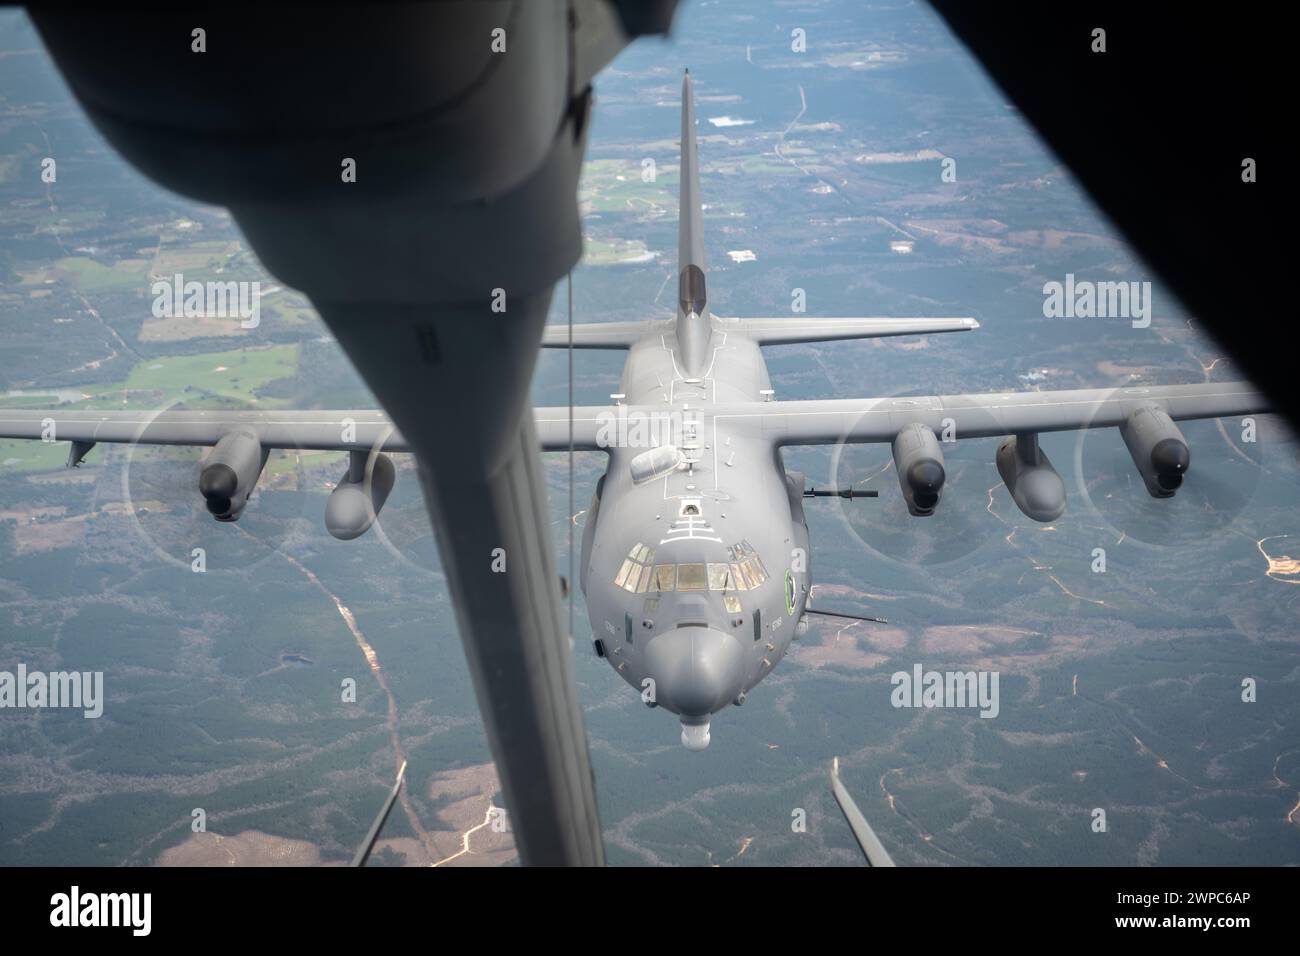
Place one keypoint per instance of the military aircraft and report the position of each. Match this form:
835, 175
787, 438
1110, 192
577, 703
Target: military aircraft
696, 562
468, 162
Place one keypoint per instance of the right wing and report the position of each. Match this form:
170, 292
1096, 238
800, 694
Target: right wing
787, 331
990, 415
1145, 416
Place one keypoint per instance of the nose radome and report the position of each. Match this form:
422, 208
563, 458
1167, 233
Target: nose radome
696, 670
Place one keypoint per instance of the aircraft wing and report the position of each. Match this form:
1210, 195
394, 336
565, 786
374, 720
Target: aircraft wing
322, 431
600, 335
994, 414
778, 331
917, 428
789, 330
590, 422
340, 430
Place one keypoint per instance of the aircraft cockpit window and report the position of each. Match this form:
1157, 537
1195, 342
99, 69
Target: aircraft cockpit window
620, 579
665, 577
691, 577
720, 576
748, 569
634, 575
754, 570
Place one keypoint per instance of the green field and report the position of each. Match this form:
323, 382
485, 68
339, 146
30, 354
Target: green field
602, 189
206, 380
597, 252
125, 275
32, 455
234, 375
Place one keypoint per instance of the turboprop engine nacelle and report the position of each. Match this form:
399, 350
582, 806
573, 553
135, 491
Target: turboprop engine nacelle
1158, 448
229, 473
354, 503
1035, 486
918, 459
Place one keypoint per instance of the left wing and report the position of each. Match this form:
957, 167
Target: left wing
601, 335
592, 426
341, 430
241, 442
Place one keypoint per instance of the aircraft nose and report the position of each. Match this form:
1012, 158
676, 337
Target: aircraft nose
696, 670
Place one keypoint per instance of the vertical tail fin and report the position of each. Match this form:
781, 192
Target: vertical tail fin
690, 232
693, 326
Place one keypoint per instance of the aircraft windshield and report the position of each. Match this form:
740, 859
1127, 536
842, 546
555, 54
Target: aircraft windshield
742, 575
634, 574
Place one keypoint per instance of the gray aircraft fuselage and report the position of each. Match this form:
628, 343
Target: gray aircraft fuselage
695, 566
696, 650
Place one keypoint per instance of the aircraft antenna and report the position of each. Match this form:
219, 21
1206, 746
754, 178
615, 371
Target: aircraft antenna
868, 842
847, 617
363, 852
568, 282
